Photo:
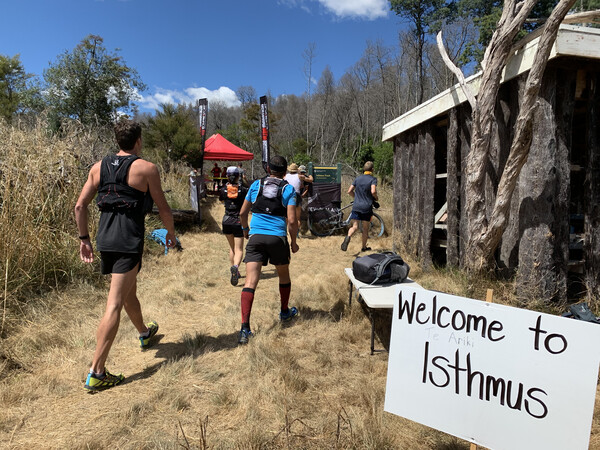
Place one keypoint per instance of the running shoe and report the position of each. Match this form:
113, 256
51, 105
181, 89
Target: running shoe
245, 335
145, 341
345, 243
108, 380
365, 249
289, 314
235, 275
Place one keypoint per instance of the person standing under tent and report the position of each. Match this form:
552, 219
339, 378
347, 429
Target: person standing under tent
216, 174
293, 178
233, 195
223, 179
364, 191
126, 186
272, 201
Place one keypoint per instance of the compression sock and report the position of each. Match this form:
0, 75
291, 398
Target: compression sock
247, 299
284, 292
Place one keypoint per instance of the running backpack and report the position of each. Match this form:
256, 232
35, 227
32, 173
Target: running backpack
380, 268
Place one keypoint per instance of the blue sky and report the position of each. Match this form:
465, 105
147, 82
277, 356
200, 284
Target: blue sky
186, 49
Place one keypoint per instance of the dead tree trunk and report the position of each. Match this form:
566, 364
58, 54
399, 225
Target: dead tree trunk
489, 241
485, 231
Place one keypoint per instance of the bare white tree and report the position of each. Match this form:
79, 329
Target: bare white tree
485, 232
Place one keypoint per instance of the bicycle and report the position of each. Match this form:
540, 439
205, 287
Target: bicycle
324, 221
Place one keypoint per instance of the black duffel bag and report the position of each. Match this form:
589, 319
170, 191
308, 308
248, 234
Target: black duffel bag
380, 268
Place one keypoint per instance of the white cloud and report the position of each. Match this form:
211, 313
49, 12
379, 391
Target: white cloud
364, 9
224, 94
352, 9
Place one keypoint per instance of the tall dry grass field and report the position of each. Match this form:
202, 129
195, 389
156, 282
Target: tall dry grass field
40, 177
310, 385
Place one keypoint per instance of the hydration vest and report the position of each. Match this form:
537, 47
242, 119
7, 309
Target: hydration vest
232, 205
269, 197
114, 194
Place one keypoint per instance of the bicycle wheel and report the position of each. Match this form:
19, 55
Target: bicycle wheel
376, 226
321, 223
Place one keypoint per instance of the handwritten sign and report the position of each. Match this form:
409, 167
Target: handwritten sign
497, 376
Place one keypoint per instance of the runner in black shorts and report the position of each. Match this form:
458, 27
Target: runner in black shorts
272, 201
232, 194
115, 262
364, 191
126, 186
268, 249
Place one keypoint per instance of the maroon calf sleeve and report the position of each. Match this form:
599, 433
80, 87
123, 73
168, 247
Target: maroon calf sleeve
284, 292
247, 299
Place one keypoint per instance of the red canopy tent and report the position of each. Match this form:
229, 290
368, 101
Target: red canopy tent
217, 148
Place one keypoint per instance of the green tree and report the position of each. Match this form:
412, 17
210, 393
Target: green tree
486, 13
383, 159
18, 91
425, 17
173, 130
91, 84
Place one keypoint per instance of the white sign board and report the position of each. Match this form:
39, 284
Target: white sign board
498, 376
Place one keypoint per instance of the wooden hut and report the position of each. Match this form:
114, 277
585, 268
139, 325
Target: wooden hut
552, 242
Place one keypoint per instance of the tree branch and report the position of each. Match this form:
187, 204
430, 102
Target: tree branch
523, 133
456, 71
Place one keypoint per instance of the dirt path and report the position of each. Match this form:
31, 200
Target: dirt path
317, 375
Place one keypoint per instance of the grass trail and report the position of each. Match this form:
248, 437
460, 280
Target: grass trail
310, 385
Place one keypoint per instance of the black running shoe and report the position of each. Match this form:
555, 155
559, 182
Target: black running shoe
245, 336
235, 275
345, 243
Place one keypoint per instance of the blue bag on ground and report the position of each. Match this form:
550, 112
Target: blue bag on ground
160, 236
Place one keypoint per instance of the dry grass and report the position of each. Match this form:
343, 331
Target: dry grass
309, 385
40, 176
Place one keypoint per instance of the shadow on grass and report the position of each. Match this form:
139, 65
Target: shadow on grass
268, 275
193, 346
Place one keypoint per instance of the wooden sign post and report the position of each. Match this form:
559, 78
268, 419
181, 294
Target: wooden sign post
489, 298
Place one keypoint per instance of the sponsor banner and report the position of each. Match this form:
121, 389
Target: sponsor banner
264, 127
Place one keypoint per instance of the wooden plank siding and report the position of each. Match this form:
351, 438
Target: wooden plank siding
452, 190
414, 173
592, 187
551, 245
543, 199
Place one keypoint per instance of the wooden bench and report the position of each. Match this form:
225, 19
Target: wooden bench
375, 297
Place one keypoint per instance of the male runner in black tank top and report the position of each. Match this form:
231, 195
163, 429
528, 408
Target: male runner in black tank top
120, 239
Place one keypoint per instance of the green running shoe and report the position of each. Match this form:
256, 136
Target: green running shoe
95, 384
145, 341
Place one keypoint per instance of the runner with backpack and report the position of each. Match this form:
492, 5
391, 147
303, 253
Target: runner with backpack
233, 194
126, 186
272, 201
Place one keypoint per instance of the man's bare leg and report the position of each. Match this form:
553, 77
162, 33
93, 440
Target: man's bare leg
365, 232
283, 272
121, 285
351, 231
253, 270
134, 310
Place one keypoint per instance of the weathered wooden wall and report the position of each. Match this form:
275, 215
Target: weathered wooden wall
543, 194
535, 244
414, 178
452, 190
592, 187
